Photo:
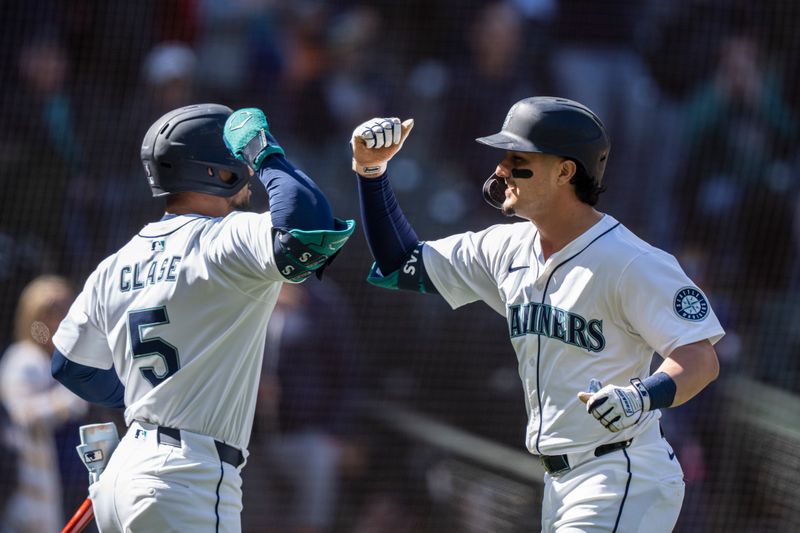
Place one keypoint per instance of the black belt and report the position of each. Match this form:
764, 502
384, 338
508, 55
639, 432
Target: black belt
558, 464
227, 453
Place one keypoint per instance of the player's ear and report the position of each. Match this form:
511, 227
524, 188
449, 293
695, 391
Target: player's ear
566, 170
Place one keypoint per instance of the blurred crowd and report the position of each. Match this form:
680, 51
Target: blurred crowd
700, 100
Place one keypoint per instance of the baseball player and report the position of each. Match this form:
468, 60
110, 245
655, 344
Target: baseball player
172, 326
586, 303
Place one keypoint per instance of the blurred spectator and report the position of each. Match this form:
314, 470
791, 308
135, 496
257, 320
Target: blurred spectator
306, 439
9, 464
37, 405
359, 83
167, 81
20, 261
595, 61
169, 73
238, 48
741, 134
41, 152
485, 84
295, 97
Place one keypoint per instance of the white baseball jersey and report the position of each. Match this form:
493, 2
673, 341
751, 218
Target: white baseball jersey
598, 308
181, 313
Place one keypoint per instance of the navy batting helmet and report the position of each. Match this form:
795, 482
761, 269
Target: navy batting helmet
549, 125
556, 126
184, 151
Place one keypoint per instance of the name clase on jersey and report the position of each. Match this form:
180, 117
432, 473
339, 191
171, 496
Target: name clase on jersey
133, 278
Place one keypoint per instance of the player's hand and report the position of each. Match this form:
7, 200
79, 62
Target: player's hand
616, 407
375, 142
248, 138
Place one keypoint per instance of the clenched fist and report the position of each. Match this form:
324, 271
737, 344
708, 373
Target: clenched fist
375, 142
617, 408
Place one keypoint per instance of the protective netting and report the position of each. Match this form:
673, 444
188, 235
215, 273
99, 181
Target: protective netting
701, 101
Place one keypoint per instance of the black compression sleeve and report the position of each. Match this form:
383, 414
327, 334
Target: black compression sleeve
389, 234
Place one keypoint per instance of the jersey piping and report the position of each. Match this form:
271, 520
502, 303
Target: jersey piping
539, 335
627, 487
193, 219
216, 505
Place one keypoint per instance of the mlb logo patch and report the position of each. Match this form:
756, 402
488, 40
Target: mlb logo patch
92, 456
140, 434
157, 246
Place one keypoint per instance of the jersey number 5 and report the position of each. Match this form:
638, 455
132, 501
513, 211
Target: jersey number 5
153, 346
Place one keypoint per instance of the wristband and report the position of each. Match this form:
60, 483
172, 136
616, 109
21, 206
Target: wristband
661, 389
370, 171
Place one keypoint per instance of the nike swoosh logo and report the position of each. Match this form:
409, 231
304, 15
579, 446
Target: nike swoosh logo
333, 244
514, 269
242, 123
671, 455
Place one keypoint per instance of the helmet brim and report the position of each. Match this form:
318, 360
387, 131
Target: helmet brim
508, 141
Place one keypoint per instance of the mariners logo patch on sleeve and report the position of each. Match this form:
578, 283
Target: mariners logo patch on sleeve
691, 304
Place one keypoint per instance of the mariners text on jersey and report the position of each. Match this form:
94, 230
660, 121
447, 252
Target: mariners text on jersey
138, 276
533, 318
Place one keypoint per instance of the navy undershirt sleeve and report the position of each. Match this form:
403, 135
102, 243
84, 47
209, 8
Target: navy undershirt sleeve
94, 385
389, 234
295, 201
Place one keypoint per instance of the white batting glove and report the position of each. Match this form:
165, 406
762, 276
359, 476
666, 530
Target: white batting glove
375, 142
615, 407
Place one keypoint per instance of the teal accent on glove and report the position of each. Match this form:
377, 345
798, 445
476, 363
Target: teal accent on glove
248, 138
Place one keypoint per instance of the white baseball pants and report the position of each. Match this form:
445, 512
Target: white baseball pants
149, 487
637, 489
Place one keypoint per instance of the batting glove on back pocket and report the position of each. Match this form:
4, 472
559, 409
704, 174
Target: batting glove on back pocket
617, 408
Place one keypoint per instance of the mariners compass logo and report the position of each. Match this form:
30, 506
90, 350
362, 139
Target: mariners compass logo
509, 115
691, 304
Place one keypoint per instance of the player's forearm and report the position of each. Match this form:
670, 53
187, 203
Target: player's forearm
389, 234
692, 367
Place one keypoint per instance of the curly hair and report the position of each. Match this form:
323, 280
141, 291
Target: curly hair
587, 189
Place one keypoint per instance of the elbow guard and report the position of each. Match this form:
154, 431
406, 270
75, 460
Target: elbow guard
411, 276
300, 253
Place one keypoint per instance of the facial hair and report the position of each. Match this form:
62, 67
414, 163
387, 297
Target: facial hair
240, 204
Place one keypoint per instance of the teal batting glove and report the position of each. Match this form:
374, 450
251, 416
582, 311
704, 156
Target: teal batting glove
248, 138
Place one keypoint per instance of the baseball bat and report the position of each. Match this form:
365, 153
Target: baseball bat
81, 518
